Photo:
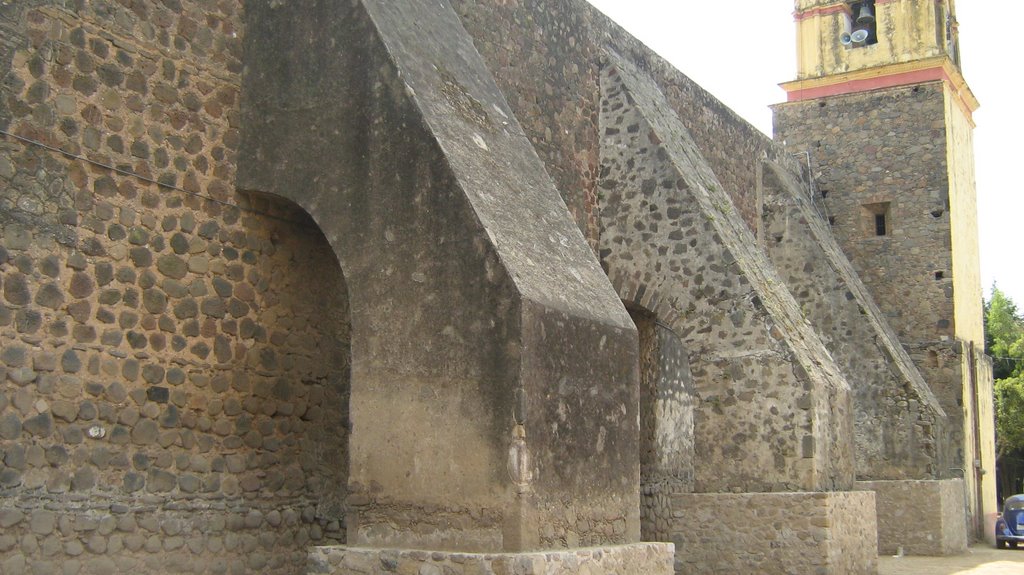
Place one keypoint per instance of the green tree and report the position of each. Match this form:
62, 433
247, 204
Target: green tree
1004, 335
1004, 341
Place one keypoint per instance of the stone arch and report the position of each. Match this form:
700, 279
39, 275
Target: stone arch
665, 406
636, 293
304, 362
248, 447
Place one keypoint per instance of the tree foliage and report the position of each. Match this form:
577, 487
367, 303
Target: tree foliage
1004, 336
1004, 341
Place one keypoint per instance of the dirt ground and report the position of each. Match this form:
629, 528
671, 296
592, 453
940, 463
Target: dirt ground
979, 560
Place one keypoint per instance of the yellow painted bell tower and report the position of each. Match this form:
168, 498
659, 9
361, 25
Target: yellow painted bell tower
835, 38
881, 108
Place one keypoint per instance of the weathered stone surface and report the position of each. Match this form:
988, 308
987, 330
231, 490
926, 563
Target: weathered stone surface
899, 424
159, 481
722, 296
145, 432
885, 263
794, 532
16, 290
40, 425
82, 285
248, 469
920, 264
636, 559
539, 285
10, 426
919, 517
172, 266
49, 295
42, 522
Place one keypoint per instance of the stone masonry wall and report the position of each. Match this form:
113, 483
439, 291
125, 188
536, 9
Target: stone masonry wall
899, 424
635, 559
766, 391
650, 373
781, 533
666, 422
472, 287
546, 57
543, 58
943, 361
175, 357
919, 517
876, 148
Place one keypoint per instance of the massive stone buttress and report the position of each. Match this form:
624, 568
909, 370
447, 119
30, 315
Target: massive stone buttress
764, 381
494, 382
772, 413
899, 424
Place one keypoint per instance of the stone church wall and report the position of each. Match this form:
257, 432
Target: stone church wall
546, 57
548, 68
768, 396
175, 361
174, 356
898, 132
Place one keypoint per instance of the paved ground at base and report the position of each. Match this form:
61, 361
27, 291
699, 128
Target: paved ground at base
979, 560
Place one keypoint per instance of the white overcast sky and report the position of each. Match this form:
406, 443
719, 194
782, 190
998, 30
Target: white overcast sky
742, 64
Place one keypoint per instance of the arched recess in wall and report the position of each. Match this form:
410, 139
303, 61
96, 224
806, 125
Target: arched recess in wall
299, 370
650, 373
666, 411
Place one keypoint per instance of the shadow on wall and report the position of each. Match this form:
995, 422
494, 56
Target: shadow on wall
666, 422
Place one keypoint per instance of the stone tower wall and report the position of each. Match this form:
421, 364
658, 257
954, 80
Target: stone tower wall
900, 426
175, 358
885, 147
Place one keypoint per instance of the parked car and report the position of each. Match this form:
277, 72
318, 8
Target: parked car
1010, 525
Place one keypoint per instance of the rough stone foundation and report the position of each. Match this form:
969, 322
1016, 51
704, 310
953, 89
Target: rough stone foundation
769, 533
638, 559
922, 517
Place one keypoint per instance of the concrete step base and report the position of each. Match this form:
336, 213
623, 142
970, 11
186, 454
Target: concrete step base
633, 559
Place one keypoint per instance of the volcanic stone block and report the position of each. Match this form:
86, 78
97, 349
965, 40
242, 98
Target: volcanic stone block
919, 517
775, 533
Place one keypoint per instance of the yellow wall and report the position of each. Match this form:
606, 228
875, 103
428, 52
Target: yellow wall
979, 440
967, 302
964, 219
980, 437
908, 30
986, 416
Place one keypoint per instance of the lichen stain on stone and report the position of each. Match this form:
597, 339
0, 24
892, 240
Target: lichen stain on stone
468, 107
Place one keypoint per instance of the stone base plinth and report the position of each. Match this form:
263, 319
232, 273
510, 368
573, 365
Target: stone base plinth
635, 559
922, 517
774, 533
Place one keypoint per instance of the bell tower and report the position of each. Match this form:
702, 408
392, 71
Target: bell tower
882, 116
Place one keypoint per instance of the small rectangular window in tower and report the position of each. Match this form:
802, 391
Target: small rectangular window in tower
877, 220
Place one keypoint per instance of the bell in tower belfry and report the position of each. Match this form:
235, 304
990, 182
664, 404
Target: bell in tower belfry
883, 112
866, 16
